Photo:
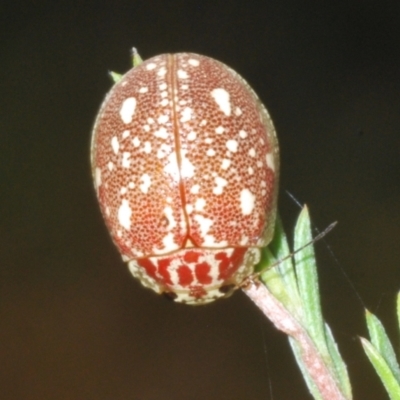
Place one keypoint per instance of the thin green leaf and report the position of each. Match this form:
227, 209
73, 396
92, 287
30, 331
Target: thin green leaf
381, 342
286, 267
382, 369
398, 309
136, 59
273, 280
307, 279
339, 366
115, 76
281, 279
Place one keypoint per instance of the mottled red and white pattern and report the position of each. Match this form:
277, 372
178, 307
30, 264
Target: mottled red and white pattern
185, 161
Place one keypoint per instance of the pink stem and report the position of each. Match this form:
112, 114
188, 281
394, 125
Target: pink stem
285, 322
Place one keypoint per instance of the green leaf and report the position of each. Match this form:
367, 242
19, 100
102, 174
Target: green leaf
398, 309
285, 267
307, 279
382, 369
277, 270
381, 342
115, 76
136, 59
338, 364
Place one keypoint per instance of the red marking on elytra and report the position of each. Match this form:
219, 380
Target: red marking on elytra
228, 265
185, 275
202, 272
148, 266
191, 256
163, 270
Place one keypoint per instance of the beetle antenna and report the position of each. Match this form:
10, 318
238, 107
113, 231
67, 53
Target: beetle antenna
291, 254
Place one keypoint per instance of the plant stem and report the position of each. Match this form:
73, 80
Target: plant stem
284, 321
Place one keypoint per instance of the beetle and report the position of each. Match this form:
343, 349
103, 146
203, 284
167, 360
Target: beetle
185, 162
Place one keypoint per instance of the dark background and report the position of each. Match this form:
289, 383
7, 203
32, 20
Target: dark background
73, 323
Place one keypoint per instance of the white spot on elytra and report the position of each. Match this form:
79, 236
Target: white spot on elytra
232, 145
147, 147
124, 214
146, 128
250, 171
164, 102
189, 208
115, 144
150, 66
203, 122
164, 94
170, 217
171, 167
194, 62
270, 161
195, 189
143, 89
126, 162
161, 133
131, 185
127, 110
219, 130
162, 119
208, 140
185, 87
205, 224
98, 177
125, 134
199, 205
222, 98
221, 183
238, 112
162, 71
225, 163
150, 121
182, 74
210, 152
191, 136
110, 166
163, 86
144, 187
186, 114
136, 141
123, 190
247, 201
252, 152
168, 242
187, 168
243, 134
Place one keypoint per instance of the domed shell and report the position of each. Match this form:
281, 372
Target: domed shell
185, 156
